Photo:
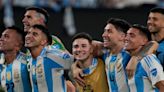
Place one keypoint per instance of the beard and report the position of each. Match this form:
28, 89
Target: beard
155, 30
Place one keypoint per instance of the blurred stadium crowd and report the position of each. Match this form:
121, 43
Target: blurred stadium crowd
57, 4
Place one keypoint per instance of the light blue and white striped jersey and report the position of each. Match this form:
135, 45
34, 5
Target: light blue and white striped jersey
148, 73
115, 69
46, 71
15, 76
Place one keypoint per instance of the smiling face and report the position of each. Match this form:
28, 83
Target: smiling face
31, 17
35, 38
155, 22
9, 40
82, 49
111, 36
134, 40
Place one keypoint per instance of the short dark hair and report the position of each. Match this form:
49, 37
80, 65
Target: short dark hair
144, 30
45, 31
40, 10
82, 35
19, 31
120, 24
157, 10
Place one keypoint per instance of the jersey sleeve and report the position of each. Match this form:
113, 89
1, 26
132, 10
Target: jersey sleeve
61, 57
153, 68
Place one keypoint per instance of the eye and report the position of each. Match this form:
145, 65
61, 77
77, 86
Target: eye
5, 36
131, 35
84, 45
75, 46
35, 34
28, 17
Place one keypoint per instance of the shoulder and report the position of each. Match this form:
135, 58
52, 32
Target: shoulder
22, 57
150, 57
150, 60
59, 53
161, 47
125, 55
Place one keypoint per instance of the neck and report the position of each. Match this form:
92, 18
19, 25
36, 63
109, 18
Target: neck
158, 36
136, 51
35, 51
116, 49
86, 63
10, 56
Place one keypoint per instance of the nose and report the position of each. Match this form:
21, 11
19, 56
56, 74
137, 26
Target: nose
24, 19
1, 38
104, 34
149, 21
78, 49
28, 35
127, 38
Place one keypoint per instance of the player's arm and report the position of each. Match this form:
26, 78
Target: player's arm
148, 49
70, 86
76, 74
97, 48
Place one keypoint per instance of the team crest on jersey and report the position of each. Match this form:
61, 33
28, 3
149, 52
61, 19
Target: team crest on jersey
8, 76
39, 69
16, 75
154, 72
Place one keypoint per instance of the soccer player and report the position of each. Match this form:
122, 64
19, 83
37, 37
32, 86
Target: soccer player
36, 15
14, 74
148, 75
155, 25
93, 68
46, 65
115, 57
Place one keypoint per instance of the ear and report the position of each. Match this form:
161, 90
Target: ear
144, 41
41, 21
43, 42
122, 36
17, 48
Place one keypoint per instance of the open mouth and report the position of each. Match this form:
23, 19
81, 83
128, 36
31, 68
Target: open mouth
28, 41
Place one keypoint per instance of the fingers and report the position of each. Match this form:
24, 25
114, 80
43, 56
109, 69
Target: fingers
80, 81
70, 86
131, 67
130, 73
78, 77
77, 74
74, 66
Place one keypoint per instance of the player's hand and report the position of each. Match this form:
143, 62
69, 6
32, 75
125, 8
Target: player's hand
131, 67
70, 86
77, 74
